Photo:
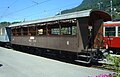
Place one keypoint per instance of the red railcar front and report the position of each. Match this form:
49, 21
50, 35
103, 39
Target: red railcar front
111, 34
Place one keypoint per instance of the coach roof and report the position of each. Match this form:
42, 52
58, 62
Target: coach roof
74, 15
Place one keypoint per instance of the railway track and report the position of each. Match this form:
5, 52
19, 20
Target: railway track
100, 65
104, 65
19, 64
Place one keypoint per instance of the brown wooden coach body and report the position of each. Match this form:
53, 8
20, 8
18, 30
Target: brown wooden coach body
67, 32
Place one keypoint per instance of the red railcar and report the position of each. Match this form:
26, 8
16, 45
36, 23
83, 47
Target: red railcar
111, 34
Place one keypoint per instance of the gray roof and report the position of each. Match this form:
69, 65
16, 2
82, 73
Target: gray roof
78, 14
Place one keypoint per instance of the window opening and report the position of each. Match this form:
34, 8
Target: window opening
32, 31
13, 32
18, 31
109, 31
25, 30
41, 30
118, 31
53, 29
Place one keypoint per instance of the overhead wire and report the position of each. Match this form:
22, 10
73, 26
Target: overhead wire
7, 8
47, 11
13, 3
36, 3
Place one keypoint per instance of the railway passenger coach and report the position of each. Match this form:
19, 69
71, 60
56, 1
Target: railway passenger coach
71, 35
5, 35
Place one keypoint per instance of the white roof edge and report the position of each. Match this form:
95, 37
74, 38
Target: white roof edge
109, 22
78, 14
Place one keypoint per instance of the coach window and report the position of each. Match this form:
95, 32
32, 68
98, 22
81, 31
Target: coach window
69, 30
18, 31
66, 30
74, 30
53, 29
109, 31
32, 30
13, 31
25, 30
68, 27
41, 30
2, 31
118, 31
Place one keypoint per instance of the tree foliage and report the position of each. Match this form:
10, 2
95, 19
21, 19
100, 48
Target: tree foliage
98, 4
4, 24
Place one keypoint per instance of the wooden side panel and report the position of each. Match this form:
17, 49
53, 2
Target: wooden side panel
83, 30
98, 32
16, 40
66, 43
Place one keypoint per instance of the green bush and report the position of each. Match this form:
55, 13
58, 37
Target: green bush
116, 64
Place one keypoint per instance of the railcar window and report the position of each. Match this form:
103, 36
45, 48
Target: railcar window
18, 31
74, 30
2, 31
118, 31
66, 31
109, 31
41, 30
14, 32
32, 31
54, 29
25, 30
